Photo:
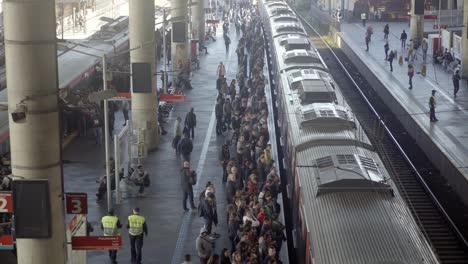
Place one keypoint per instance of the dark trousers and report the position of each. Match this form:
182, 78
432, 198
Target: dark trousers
403, 43
432, 116
410, 82
456, 87
191, 130
391, 65
227, 120
386, 54
136, 244
188, 194
113, 255
219, 125
208, 224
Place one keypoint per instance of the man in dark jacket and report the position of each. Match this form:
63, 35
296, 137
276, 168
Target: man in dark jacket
185, 147
219, 117
187, 179
224, 157
191, 122
208, 212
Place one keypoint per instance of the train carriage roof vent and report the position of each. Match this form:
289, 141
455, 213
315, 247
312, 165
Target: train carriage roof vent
288, 28
283, 39
300, 56
326, 114
282, 10
286, 18
343, 173
297, 43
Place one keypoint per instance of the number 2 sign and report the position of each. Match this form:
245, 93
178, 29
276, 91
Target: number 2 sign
77, 203
6, 202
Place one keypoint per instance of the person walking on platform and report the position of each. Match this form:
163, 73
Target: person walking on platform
363, 19
110, 224
403, 38
367, 41
219, 117
185, 147
386, 31
187, 180
204, 246
456, 83
177, 133
424, 47
209, 213
386, 48
410, 76
191, 122
391, 57
227, 42
221, 71
136, 227
432, 106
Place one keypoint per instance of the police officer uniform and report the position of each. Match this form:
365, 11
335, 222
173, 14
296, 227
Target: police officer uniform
136, 227
110, 224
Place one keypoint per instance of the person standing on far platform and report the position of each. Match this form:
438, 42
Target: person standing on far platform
410, 76
432, 106
386, 48
367, 41
363, 18
391, 56
187, 180
456, 83
136, 227
424, 47
403, 38
191, 122
386, 31
110, 224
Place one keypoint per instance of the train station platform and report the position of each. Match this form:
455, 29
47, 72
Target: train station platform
172, 231
445, 142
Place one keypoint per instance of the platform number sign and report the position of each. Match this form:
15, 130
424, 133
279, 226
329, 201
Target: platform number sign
77, 203
6, 202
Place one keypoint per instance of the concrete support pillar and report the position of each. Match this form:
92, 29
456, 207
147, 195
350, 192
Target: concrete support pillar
179, 50
450, 4
198, 21
416, 25
465, 42
142, 46
31, 63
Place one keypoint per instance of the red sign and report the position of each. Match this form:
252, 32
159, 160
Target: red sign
123, 95
96, 243
6, 242
77, 203
172, 98
212, 21
6, 202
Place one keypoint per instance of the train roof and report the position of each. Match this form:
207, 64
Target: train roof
353, 211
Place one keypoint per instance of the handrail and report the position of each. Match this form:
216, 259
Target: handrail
390, 134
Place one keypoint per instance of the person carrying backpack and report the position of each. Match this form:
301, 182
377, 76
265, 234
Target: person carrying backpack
191, 122
185, 147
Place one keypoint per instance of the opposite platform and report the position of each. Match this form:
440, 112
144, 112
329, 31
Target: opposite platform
444, 142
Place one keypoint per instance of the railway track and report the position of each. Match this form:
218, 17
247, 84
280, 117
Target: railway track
446, 240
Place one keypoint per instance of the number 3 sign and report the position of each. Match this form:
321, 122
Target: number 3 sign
6, 204
77, 203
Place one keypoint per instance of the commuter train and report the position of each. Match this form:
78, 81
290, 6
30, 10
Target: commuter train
345, 207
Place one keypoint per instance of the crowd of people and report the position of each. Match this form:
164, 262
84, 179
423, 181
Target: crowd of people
252, 183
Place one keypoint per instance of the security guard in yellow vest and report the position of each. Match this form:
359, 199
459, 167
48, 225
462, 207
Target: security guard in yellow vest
136, 227
110, 224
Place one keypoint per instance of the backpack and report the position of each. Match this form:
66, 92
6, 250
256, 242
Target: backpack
193, 178
186, 146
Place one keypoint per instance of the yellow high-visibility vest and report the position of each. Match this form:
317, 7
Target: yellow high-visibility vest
136, 224
109, 223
